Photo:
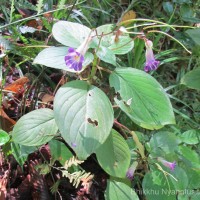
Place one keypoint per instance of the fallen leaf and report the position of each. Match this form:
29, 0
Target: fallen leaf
17, 86
127, 16
6, 123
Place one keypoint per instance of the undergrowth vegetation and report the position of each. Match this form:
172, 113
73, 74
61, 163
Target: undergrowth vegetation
100, 99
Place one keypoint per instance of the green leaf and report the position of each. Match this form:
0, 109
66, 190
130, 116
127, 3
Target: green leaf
192, 79
168, 7
190, 137
106, 55
16, 151
107, 31
194, 35
4, 137
138, 53
183, 196
69, 33
59, 151
21, 152
182, 179
142, 98
122, 46
186, 11
43, 168
195, 195
193, 177
54, 57
35, 128
191, 19
119, 191
80, 115
165, 141
190, 156
114, 155
158, 188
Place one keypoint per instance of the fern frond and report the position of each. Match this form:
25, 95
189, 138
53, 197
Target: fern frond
72, 161
46, 24
61, 4
39, 6
77, 177
55, 186
12, 9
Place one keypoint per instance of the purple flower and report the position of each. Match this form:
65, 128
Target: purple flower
74, 60
170, 165
130, 173
131, 170
151, 62
75, 57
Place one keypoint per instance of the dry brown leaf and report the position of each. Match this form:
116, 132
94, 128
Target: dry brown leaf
18, 85
6, 123
127, 16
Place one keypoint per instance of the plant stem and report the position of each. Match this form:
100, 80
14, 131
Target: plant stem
135, 138
121, 125
155, 31
94, 68
146, 20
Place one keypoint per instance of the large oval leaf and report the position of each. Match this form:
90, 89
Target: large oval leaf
164, 142
35, 128
69, 33
54, 57
157, 186
114, 155
142, 98
192, 79
84, 116
119, 191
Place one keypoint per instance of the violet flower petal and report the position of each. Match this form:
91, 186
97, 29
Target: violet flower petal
151, 62
74, 60
170, 165
130, 173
